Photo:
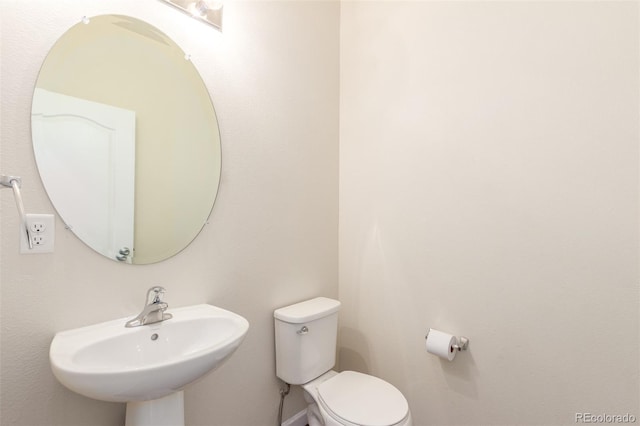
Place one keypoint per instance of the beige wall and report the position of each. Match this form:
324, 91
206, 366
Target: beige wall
272, 239
489, 187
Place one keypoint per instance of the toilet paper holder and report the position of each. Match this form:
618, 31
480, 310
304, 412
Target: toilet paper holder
463, 342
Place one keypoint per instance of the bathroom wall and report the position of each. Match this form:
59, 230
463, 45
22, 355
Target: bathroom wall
273, 76
489, 188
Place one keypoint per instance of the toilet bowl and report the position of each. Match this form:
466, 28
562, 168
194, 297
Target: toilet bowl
354, 399
306, 335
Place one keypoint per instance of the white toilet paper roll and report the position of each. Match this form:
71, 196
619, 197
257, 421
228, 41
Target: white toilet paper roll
441, 344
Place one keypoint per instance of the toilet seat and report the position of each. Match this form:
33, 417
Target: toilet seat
360, 399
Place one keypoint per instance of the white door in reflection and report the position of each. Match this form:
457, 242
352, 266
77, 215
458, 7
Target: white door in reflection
88, 158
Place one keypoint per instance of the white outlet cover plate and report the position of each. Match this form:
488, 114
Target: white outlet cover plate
48, 235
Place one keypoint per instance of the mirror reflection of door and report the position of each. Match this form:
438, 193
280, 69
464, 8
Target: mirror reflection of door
89, 153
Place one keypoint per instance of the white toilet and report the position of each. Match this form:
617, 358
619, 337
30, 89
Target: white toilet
306, 335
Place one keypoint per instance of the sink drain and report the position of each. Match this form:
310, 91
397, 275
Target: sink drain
154, 336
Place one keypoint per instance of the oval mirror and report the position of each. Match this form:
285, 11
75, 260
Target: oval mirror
126, 139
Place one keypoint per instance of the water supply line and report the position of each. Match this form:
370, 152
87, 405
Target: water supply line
15, 182
283, 394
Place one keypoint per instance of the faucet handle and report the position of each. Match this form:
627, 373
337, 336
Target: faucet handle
156, 292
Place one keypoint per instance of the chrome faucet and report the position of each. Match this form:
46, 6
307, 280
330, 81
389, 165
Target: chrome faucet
154, 309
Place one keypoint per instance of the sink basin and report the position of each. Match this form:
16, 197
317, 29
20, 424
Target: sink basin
112, 363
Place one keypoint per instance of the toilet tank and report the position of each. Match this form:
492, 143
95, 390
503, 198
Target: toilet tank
306, 335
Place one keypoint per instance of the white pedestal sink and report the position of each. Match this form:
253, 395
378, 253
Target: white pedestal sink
147, 366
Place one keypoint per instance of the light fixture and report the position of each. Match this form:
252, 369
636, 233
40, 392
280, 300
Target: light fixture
209, 11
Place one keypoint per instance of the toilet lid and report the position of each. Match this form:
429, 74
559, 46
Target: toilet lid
362, 399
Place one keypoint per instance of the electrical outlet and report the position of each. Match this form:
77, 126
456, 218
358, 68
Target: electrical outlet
42, 232
37, 227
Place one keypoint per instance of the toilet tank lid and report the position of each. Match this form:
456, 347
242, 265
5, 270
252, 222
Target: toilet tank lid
308, 310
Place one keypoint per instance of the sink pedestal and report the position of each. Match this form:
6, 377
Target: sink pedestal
166, 411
